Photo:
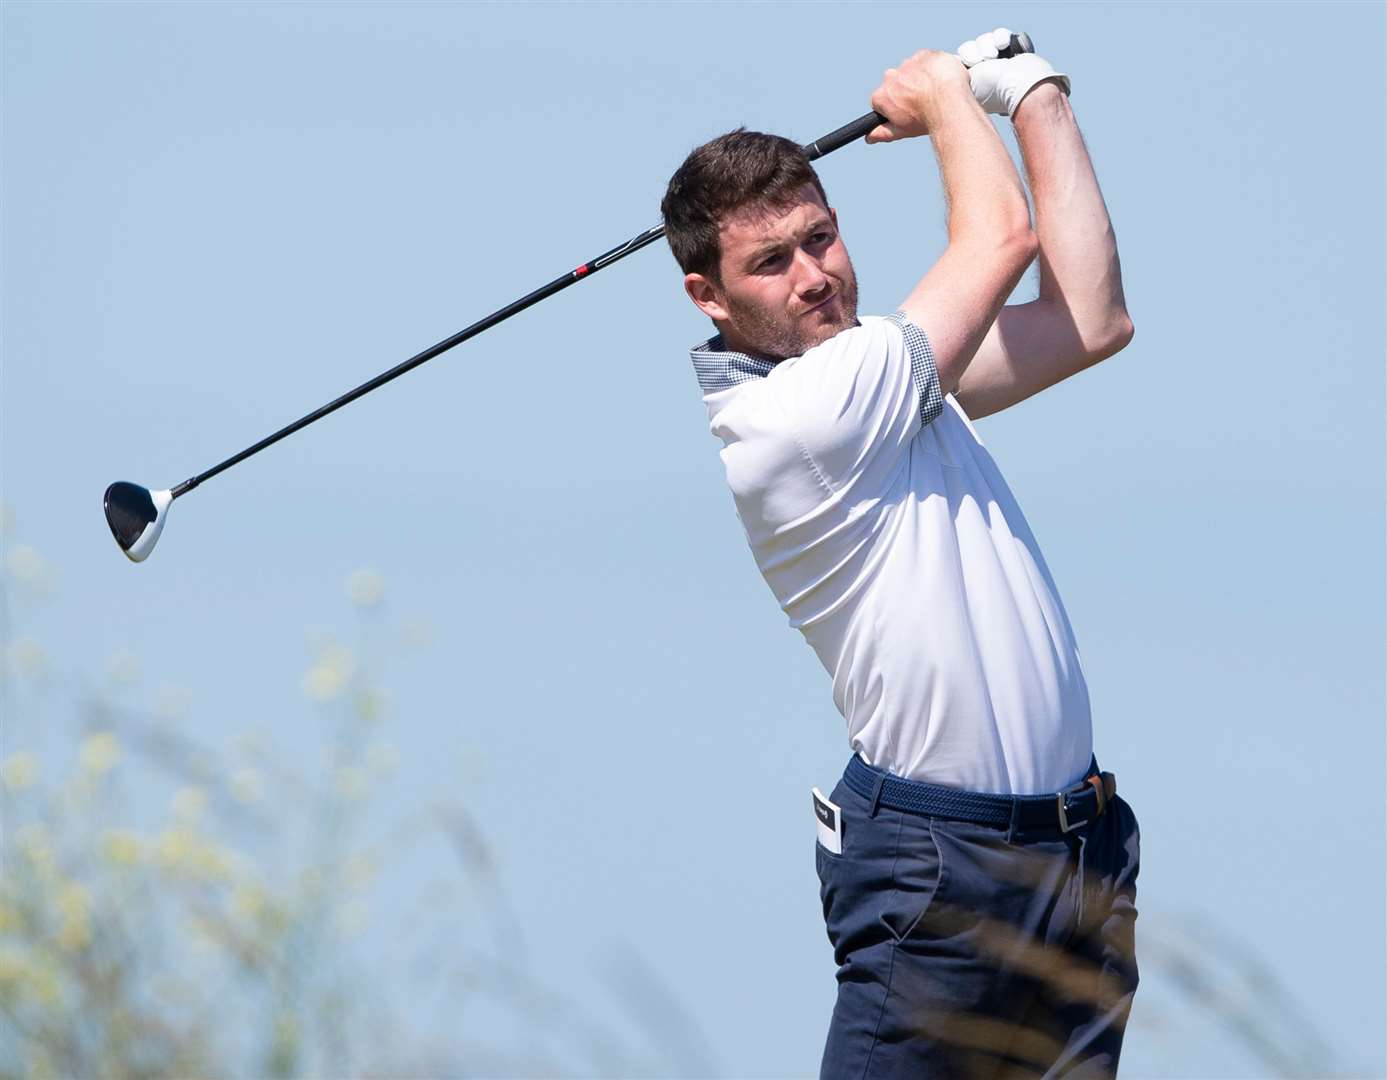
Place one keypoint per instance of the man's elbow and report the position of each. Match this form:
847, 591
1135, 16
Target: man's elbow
1115, 335
1023, 245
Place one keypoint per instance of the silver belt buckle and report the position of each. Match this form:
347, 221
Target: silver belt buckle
1065, 826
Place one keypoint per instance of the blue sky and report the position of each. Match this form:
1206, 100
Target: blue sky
217, 217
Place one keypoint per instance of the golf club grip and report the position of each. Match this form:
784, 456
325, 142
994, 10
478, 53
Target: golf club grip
843, 135
1020, 43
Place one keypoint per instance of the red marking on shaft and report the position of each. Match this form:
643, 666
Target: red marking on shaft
584, 269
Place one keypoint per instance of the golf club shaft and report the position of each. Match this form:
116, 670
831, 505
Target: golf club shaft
830, 142
500, 315
834, 140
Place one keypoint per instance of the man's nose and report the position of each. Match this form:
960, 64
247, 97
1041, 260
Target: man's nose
811, 279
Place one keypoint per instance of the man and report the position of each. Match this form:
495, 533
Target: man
978, 871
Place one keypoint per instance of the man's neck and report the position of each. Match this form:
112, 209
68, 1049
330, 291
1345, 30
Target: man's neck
732, 343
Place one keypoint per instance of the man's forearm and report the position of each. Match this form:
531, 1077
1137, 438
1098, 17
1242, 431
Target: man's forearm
984, 193
1079, 267
990, 237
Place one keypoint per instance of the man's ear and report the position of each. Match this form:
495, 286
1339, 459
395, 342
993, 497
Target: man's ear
705, 295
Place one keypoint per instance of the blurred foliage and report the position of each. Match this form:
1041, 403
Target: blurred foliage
171, 908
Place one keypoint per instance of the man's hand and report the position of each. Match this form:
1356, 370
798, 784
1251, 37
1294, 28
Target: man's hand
910, 96
1000, 84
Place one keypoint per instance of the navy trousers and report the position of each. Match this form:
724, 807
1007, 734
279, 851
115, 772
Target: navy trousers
971, 951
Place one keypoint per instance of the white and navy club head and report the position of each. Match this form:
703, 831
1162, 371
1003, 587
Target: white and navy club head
136, 516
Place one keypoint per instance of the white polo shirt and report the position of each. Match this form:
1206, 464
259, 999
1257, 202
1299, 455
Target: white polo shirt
890, 539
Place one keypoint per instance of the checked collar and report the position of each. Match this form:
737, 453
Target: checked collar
718, 368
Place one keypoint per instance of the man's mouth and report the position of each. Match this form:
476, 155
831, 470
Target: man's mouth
826, 300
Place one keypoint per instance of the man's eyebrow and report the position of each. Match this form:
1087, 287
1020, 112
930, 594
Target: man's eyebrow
766, 247
769, 246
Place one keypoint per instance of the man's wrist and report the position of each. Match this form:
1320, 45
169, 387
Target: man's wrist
1045, 101
948, 103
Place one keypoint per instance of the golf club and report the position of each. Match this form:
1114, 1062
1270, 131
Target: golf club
137, 515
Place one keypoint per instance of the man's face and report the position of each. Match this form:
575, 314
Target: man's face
787, 282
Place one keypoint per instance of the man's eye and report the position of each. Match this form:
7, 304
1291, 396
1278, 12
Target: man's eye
769, 261
821, 238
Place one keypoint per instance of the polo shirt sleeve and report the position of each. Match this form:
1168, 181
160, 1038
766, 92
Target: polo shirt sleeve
855, 402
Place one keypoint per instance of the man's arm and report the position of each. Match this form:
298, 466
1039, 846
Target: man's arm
990, 238
1081, 315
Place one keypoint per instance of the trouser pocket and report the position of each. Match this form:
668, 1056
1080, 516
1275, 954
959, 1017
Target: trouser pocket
888, 875
917, 878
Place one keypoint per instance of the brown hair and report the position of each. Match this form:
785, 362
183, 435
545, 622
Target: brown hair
724, 175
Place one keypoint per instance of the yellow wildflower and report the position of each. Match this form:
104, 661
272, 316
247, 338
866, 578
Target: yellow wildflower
13, 970
19, 771
211, 862
174, 846
45, 984
365, 588
325, 679
28, 658
99, 753
122, 846
322, 683
248, 901
371, 703
33, 841
74, 909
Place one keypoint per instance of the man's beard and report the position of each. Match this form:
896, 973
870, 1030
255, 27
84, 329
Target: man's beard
775, 335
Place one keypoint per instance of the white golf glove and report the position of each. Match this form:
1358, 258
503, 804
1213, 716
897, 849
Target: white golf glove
999, 85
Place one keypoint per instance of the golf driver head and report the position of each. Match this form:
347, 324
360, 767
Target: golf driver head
136, 516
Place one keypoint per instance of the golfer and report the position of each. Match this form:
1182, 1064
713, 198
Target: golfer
978, 871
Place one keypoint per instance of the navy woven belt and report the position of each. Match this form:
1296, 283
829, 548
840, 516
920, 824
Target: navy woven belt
1064, 811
